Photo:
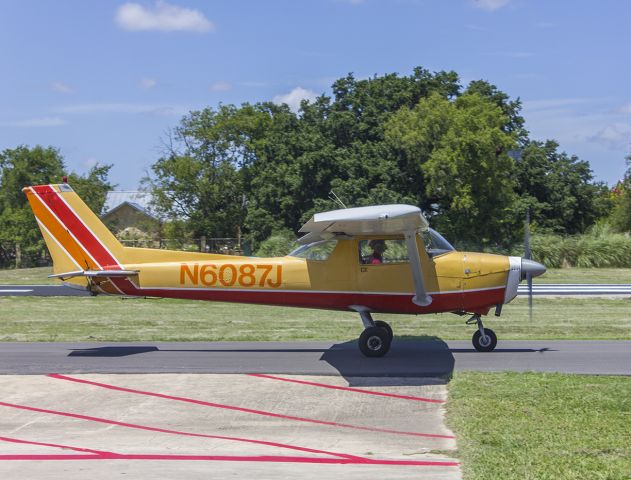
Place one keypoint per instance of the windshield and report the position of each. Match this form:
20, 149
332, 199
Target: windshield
435, 243
315, 251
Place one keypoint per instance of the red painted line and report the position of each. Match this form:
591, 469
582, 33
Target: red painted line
234, 458
173, 432
246, 410
65, 447
348, 389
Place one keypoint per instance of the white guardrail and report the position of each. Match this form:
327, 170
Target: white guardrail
575, 289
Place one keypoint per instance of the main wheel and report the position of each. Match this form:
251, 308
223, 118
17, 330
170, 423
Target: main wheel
374, 342
486, 343
385, 326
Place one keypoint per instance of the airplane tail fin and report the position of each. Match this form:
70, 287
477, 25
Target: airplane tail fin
75, 236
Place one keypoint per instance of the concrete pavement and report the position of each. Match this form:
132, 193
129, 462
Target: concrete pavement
237, 426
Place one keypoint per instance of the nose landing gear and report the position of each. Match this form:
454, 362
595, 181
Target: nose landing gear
484, 339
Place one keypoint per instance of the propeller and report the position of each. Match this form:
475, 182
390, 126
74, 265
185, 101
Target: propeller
528, 256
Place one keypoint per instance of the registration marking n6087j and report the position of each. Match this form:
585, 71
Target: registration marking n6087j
229, 274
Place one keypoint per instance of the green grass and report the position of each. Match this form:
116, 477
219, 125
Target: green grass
531, 426
27, 276
585, 275
33, 276
114, 319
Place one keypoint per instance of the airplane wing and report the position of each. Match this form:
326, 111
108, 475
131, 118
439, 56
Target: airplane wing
375, 220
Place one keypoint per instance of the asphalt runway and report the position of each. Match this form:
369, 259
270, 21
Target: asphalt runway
433, 359
41, 291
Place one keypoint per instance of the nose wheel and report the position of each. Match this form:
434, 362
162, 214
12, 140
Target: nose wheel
484, 339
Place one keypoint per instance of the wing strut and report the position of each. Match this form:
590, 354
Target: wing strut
421, 298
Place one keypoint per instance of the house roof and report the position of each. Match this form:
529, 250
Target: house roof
141, 201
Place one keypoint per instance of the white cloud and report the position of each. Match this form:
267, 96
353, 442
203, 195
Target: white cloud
253, 84
587, 127
554, 103
221, 87
162, 17
624, 109
578, 120
35, 122
490, 5
528, 76
147, 83
511, 54
294, 98
477, 28
132, 108
60, 87
615, 136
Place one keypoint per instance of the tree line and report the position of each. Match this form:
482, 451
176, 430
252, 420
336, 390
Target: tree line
462, 154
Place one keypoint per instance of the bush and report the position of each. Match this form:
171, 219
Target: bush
278, 244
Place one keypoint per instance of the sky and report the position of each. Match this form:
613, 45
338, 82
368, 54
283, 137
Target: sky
105, 81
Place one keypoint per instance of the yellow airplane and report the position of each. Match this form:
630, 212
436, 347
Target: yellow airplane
379, 259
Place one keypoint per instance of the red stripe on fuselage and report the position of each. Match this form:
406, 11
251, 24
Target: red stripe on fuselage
471, 301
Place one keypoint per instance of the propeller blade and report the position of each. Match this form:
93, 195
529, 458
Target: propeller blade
529, 280
527, 251
528, 255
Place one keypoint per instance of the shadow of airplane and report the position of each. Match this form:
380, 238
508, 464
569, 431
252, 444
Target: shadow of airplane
411, 361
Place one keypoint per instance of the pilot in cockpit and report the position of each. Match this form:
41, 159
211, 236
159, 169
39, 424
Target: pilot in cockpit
378, 247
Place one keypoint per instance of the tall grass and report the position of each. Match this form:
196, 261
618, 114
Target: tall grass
600, 248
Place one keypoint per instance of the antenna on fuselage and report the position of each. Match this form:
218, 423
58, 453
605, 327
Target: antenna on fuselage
336, 199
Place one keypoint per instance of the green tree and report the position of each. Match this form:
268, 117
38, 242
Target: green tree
558, 189
621, 212
20, 239
459, 148
21, 242
93, 186
200, 178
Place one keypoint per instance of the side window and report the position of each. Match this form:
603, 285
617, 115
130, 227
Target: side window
377, 251
315, 251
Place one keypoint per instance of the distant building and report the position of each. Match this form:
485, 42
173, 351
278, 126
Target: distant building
130, 217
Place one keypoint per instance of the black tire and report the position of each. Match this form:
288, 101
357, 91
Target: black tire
374, 342
482, 346
386, 327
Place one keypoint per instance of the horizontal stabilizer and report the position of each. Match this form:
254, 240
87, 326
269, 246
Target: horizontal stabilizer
95, 274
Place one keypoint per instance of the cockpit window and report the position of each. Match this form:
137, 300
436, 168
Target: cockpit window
378, 251
435, 243
315, 251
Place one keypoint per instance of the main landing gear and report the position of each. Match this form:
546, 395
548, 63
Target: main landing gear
376, 338
484, 339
